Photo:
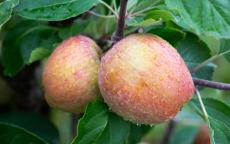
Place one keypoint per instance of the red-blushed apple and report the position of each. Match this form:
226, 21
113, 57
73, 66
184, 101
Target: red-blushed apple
70, 75
143, 79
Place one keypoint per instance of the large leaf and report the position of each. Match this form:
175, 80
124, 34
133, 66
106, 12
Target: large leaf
225, 48
92, 124
194, 51
6, 9
203, 17
100, 126
33, 122
11, 134
50, 10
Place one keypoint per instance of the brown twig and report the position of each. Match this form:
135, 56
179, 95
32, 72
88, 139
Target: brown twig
119, 33
168, 132
211, 84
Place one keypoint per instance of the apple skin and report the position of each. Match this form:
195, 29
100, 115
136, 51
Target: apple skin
70, 75
144, 79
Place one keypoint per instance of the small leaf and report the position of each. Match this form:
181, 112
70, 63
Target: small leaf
53, 10
6, 9
144, 23
161, 14
11, 134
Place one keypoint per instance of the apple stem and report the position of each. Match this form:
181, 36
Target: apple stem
211, 84
119, 33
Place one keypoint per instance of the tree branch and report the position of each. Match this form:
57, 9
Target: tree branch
119, 33
211, 84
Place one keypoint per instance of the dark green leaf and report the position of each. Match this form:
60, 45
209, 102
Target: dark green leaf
137, 132
6, 9
194, 51
49, 10
170, 34
11, 134
203, 17
22, 40
33, 122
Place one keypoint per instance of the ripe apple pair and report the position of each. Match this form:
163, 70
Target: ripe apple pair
142, 77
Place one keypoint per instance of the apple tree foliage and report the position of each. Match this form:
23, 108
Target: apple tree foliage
199, 29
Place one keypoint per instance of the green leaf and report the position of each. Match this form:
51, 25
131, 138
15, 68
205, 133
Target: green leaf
6, 9
92, 124
225, 48
194, 51
53, 10
170, 34
19, 43
115, 132
165, 15
184, 134
216, 109
137, 132
33, 122
220, 132
143, 23
144, 6
219, 119
203, 17
11, 134
100, 126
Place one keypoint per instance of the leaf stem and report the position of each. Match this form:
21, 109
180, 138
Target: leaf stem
119, 33
109, 7
100, 15
202, 105
211, 84
208, 61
